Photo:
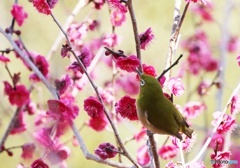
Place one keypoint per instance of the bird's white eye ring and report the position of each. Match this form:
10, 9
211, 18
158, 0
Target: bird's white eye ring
142, 82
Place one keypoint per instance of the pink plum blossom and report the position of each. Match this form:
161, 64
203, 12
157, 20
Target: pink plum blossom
4, 59
218, 157
187, 143
42, 6
126, 108
143, 156
61, 110
106, 150
193, 109
176, 86
235, 104
168, 151
228, 123
97, 124
117, 18
28, 150
145, 38
117, 5
18, 95
39, 163
19, 14
93, 107
128, 64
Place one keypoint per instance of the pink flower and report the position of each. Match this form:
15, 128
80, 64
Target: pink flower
145, 38
4, 59
63, 84
107, 94
203, 11
77, 32
129, 83
18, 14
58, 154
93, 25
98, 3
19, 125
86, 58
150, 70
143, 156
202, 88
116, 4
52, 3
18, 95
39, 164
228, 123
128, 64
106, 150
176, 87
42, 64
167, 151
65, 51
110, 40
30, 108
220, 156
235, 104
187, 143
171, 165
140, 135
117, 18
200, 55
61, 110
93, 107
43, 136
98, 124
28, 150
201, 1
42, 6
162, 80
193, 109
238, 60
214, 140
126, 108
233, 44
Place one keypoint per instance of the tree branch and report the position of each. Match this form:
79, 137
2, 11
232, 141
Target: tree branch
153, 149
135, 31
98, 95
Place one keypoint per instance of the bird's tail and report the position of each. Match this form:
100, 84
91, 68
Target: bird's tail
188, 132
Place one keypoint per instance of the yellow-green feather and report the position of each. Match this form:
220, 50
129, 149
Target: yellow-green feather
157, 113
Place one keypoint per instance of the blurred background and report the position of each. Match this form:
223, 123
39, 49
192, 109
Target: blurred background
39, 33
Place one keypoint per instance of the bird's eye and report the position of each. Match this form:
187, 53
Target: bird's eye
142, 82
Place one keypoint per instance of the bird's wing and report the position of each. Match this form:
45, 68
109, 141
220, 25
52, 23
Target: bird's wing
164, 119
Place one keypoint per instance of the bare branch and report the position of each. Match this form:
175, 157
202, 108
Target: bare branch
135, 31
98, 95
31, 64
94, 157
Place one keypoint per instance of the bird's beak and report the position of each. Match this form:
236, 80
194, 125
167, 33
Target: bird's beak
138, 72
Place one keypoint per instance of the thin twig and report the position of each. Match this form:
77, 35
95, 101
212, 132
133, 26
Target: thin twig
135, 31
31, 64
10, 126
98, 95
78, 7
153, 149
94, 157
171, 66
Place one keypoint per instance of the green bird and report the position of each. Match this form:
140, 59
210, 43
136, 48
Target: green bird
156, 112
